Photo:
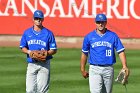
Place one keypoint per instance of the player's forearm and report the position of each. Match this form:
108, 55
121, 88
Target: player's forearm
25, 50
83, 62
51, 52
123, 59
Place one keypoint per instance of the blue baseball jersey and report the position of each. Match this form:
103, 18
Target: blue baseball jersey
101, 48
33, 40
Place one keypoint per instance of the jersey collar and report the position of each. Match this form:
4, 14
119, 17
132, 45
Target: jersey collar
36, 32
101, 35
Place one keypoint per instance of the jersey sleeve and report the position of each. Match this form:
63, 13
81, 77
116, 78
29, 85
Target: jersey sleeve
23, 42
118, 45
52, 42
86, 45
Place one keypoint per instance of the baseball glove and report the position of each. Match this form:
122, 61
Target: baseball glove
38, 55
123, 76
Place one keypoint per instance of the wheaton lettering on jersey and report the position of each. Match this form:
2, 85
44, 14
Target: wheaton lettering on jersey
101, 43
71, 9
39, 42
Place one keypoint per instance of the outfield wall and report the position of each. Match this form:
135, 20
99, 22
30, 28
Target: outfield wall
71, 17
64, 42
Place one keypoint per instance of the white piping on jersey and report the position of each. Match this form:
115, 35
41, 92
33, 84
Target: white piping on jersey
53, 48
20, 46
84, 51
120, 50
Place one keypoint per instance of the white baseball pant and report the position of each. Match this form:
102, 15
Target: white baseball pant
38, 77
101, 79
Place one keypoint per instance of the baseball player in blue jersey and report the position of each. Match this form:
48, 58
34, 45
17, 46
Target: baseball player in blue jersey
38, 38
99, 48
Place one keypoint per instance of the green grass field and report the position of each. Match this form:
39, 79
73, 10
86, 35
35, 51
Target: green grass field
65, 72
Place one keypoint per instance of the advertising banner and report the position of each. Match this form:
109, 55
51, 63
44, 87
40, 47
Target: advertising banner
71, 17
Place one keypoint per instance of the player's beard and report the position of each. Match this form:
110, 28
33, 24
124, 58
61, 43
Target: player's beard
38, 23
102, 28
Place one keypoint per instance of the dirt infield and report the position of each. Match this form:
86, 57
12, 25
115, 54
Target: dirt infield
64, 42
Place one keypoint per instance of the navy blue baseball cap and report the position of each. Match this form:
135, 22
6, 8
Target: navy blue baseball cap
38, 14
100, 17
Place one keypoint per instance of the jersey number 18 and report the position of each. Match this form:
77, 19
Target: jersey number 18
108, 52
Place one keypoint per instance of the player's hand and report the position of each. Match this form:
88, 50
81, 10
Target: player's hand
39, 55
85, 74
123, 76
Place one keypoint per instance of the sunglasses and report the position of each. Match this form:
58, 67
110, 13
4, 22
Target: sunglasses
100, 22
36, 18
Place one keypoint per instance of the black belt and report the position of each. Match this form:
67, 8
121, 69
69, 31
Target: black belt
101, 65
36, 61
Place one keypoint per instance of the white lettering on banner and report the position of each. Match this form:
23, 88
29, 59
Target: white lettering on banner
45, 6
128, 8
84, 4
57, 6
132, 10
29, 6
95, 6
116, 12
11, 4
